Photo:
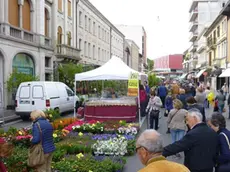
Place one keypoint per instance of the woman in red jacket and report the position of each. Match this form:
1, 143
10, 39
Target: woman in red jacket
143, 100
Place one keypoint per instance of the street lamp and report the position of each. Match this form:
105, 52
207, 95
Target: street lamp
77, 1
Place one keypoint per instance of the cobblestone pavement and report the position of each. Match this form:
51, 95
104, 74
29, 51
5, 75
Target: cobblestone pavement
133, 163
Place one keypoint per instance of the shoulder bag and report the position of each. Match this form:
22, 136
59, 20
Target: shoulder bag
173, 116
225, 167
36, 154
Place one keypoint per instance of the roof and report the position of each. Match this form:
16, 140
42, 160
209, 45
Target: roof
226, 9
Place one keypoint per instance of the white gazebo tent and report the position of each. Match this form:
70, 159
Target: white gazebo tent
114, 69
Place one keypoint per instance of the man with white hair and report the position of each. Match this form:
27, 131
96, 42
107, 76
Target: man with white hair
199, 144
149, 147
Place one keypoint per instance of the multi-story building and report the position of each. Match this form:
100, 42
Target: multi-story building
139, 36
134, 52
37, 35
127, 54
98, 39
201, 13
216, 52
169, 66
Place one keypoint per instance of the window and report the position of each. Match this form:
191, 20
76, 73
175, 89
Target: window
89, 52
69, 8
94, 28
93, 51
102, 33
80, 18
69, 92
99, 29
13, 16
99, 53
224, 26
86, 22
102, 55
37, 92
218, 31
105, 36
219, 51
89, 25
80, 42
60, 5
47, 62
59, 35
46, 20
47, 76
85, 49
108, 37
24, 92
26, 10
69, 39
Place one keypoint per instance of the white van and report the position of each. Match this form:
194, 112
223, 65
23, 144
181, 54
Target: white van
43, 95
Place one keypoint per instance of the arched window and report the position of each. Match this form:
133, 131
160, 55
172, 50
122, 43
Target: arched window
59, 35
26, 15
60, 5
23, 63
13, 12
46, 23
69, 38
69, 8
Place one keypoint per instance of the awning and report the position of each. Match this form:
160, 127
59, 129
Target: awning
225, 73
183, 76
200, 73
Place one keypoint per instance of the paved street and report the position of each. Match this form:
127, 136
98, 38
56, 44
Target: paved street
133, 163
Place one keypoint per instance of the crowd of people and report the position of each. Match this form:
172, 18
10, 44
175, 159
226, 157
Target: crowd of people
203, 138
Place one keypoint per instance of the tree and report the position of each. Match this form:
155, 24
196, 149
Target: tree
16, 78
150, 65
67, 73
153, 80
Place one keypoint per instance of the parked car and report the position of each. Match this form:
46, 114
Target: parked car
44, 95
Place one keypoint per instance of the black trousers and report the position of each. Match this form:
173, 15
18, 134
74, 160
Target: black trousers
163, 100
154, 120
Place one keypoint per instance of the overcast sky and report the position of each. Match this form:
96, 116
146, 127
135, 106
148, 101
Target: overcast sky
168, 36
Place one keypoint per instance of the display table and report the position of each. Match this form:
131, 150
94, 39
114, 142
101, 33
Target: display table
117, 109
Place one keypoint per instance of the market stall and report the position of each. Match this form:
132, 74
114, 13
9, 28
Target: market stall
119, 109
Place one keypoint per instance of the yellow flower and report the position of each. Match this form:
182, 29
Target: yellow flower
80, 134
93, 125
120, 121
54, 135
80, 155
98, 122
61, 122
20, 132
90, 171
50, 115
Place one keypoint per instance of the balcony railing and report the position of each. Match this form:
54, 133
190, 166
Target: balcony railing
20, 34
66, 51
211, 42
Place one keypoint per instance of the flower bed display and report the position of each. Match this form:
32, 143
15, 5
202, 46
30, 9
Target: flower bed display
92, 146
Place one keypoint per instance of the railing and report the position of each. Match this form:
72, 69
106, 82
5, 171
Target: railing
27, 36
68, 51
211, 42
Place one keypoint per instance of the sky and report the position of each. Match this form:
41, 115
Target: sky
168, 35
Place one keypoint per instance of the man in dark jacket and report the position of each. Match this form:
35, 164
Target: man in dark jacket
199, 144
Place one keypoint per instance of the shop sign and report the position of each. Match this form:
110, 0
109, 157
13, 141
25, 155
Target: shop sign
133, 84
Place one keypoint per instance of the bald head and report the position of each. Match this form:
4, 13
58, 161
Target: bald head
151, 140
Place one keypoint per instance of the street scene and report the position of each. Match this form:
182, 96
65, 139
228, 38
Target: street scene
114, 86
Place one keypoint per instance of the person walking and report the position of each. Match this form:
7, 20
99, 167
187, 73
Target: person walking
153, 110
168, 106
176, 122
200, 96
225, 89
143, 99
218, 123
42, 131
221, 100
162, 93
199, 144
182, 97
149, 147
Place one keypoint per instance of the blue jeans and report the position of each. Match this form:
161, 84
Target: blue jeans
221, 108
177, 134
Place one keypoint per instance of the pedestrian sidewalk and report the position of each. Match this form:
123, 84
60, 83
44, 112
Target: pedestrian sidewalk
8, 115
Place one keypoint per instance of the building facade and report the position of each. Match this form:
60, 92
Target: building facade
169, 66
202, 13
139, 36
134, 53
35, 36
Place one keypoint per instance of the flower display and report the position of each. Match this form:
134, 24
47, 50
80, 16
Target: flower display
113, 146
23, 137
127, 130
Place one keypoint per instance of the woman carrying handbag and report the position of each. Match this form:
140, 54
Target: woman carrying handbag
40, 154
218, 123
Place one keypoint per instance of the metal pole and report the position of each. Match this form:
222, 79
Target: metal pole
74, 98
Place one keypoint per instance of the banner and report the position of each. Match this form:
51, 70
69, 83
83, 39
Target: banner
133, 84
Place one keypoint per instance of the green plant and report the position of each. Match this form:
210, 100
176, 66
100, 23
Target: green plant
52, 114
16, 78
153, 80
131, 147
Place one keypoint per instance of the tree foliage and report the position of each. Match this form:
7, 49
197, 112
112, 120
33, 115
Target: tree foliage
16, 78
153, 80
67, 73
150, 65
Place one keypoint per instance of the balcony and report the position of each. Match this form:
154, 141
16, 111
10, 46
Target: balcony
24, 36
193, 5
193, 26
193, 36
193, 15
68, 52
211, 42
193, 47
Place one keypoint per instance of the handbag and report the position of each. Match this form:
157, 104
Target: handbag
36, 154
173, 116
224, 167
155, 113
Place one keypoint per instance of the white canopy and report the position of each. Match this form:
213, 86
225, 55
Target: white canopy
114, 69
200, 73
225, 73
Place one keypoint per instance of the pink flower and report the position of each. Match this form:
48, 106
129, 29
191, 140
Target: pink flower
23, 137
